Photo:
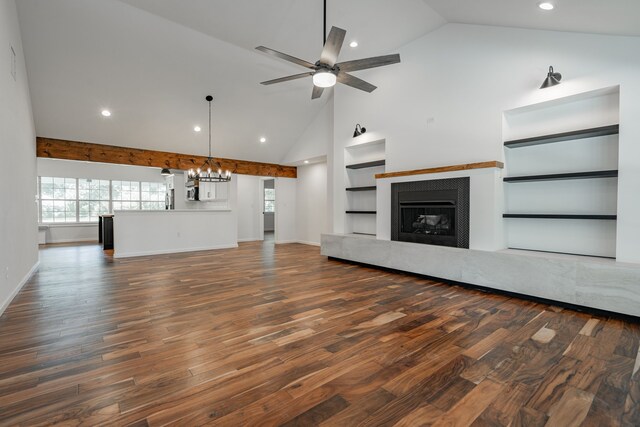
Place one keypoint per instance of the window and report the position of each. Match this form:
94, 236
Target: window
152, 195
125, 195
83, 200
269, 200
93, 198
58, 200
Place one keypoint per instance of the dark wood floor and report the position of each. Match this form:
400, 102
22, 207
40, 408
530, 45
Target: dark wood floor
265, 336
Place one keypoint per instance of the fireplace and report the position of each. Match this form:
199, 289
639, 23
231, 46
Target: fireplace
434, 212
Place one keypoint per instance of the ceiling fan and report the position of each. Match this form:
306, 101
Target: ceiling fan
327, 70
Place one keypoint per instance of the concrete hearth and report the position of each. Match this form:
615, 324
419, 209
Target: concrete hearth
586, 281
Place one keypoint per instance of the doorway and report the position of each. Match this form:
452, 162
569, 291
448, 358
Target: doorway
269, 209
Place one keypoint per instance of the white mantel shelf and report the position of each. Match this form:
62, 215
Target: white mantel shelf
598, 283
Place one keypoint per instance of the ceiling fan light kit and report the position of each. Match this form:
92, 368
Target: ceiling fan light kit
552, 79
326, 72
324, 78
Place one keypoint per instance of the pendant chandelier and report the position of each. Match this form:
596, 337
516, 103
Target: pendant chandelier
211, 170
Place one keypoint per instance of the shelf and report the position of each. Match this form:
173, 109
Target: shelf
559, 216
563, 176
370, 188
373, 164
566, 136
362, 212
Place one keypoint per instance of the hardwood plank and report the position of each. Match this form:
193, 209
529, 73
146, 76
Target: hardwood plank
528, 417
319, 413
487, 344
544, 335
360, 409
505, 407
589, 327
554, 385
89, 152
425, 415
471, 405
571, 409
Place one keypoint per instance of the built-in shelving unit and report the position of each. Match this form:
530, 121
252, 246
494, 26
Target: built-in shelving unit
366, 188
365, 165
361, 212
561, 183
561, 216
564, 136
363, 160
563, 176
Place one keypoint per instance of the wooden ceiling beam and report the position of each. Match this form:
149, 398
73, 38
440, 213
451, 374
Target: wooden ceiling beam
88, 152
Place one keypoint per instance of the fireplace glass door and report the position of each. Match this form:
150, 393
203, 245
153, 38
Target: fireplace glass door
434, 218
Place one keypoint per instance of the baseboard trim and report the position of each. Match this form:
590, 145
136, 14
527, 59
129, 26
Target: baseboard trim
304, 242
569, 306
250, 239
53, 242
18, 288
284, 242
171, 251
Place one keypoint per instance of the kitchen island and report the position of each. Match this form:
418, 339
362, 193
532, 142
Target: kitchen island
139, 233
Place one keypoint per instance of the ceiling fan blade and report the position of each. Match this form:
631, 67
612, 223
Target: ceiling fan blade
286, 57
332, 46
363, 64
317, 92
352, 81
286, 79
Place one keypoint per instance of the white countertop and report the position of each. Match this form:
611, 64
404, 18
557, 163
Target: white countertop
172, 211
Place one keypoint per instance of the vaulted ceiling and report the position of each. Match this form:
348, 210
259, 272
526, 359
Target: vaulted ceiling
615, 17
151, 62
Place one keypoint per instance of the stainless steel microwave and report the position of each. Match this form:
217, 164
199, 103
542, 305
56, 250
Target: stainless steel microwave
192, 194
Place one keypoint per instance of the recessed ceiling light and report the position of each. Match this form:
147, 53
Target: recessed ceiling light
306, 162
106, 113
197, 129
263, 139
353, 44
545, 5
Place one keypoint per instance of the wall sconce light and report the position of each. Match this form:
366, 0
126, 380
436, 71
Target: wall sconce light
165, 172
552, 79
359, 130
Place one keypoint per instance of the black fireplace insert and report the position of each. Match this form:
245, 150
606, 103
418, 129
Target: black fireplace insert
434, 212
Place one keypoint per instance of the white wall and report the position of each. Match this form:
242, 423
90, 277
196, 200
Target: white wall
285, 210
314, 201
63, 233
311, 199
316, 139
18, 212
444, 103
249, 208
